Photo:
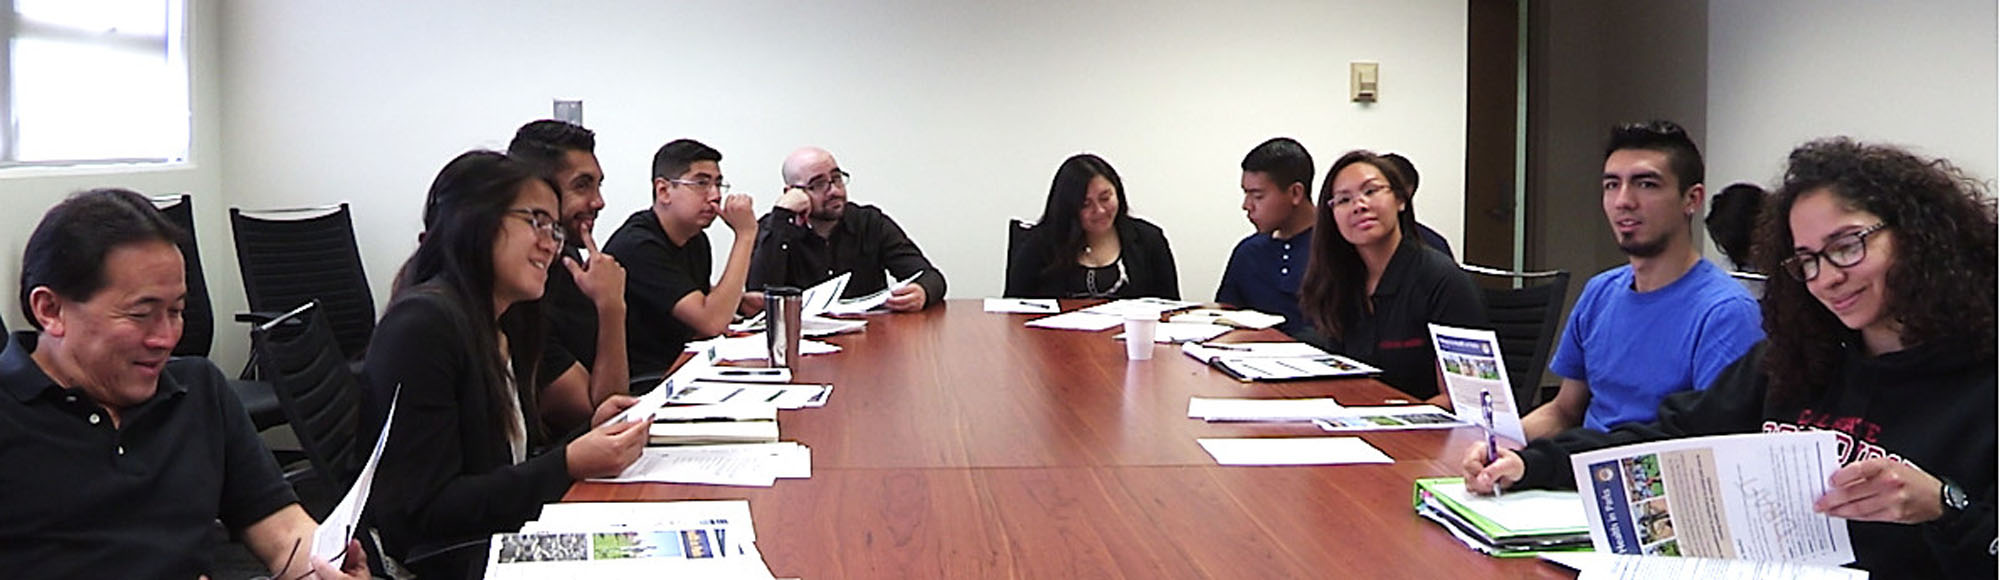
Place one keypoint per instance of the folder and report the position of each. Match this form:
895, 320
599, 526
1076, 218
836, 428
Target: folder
1516, 524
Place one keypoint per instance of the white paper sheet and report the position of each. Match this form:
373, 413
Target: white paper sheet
1293, 451
752, 347
1522, 511
1205, 352
817, 299
582, 516
1238, 318
1179, 332
1146, 306
1022, 305
1377, 418
783, 396
702, 363
329, 542
1077, 320
873, 302
1602, 566
1223, 409
751, 465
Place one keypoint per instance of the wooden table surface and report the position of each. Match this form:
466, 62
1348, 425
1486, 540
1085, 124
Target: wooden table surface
961, 444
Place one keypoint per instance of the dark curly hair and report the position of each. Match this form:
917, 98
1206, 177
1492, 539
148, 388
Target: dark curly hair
1940, 287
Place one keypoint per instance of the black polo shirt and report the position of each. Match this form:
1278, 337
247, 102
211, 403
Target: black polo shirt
1418, 287
864, 241
572, 318
81, 499
658, 274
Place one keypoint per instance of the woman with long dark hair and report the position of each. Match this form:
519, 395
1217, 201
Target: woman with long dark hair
1087, 244
1372, 286
460, 339
1879, 320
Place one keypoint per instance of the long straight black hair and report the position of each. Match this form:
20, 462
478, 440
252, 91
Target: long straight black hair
1336, 279
463, 213
1059, 214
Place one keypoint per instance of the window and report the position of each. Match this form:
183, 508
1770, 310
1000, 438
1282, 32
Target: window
93, 82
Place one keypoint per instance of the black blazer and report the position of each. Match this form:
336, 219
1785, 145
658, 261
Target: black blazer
447, 477
1149, 264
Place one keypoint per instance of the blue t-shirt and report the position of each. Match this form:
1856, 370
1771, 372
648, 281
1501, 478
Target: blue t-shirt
1634, 348
1263, 275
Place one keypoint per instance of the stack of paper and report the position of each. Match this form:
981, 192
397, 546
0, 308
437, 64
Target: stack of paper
694, 539
1390, 419
1131, 307
1022, 305
752, 347
783, 396
1077, 320
1179, 332
1250, 319
750, 464
876, 302
1598, 565
1293, 451
736, 422
812, 325
1217, 409
1275, 361
1517, 523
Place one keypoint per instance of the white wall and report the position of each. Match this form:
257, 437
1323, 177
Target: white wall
951, 114
1782, 72
31, 191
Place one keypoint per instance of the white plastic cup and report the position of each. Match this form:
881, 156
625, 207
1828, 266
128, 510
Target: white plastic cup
1139, 332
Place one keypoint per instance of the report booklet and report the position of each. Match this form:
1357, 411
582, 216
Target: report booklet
1727, 496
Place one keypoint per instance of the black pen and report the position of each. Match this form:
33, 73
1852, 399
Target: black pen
732, 394
750, 372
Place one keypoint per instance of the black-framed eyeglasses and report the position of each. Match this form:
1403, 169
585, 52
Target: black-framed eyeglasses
543, 223
820, 184
703, 183
1844, 251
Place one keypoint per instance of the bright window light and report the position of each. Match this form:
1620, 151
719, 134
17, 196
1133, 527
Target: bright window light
97, 81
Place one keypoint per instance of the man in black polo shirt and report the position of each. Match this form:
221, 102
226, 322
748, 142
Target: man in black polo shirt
119, 460
813, 234
584, 360
666, 256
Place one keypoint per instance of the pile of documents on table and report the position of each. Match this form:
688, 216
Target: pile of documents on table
685, 539
707, 429
1275, 361
1517, 523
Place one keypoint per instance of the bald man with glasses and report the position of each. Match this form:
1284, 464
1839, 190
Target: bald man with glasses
813, 234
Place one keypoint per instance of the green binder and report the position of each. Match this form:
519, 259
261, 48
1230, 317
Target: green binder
1514, 524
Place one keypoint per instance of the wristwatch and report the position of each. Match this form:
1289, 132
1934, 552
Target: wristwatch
1952, 496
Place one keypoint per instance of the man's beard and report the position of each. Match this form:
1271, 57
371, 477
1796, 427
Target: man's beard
1639, 249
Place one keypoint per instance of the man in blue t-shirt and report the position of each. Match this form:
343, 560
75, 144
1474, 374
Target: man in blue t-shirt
1668, 320
1264, 271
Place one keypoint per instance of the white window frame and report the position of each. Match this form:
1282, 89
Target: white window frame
174, 45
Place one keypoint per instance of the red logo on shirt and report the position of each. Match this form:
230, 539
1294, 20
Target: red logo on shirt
1400, 344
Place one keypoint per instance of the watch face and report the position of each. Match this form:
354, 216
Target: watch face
1954, 496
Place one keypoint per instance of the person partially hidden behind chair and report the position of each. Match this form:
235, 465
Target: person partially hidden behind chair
584, 361
1088, 245
665, 252
1881, 314
1669, 320
1265, 268
1373, 288
120, 460
813, 233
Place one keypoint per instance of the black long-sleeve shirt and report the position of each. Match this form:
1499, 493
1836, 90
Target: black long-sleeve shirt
864, 241
1931, 406
1147, 264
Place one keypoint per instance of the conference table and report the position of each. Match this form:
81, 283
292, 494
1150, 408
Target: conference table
961, 444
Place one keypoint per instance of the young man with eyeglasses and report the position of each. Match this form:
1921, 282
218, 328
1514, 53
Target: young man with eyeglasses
666, 255
813, 234
1668, 320
584, 361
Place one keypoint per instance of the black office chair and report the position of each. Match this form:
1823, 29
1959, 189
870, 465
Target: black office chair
1526, 315
288, 261
320, 396
1017, 229
198, 320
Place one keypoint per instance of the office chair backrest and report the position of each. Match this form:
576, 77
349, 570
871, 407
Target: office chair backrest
320, 395
198, 320
291, 261
1526, 319
1017, 228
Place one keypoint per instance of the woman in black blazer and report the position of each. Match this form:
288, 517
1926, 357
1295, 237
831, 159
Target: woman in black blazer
460, 338
1087, 244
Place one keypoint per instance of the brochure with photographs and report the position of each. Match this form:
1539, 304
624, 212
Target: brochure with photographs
683, 553
1389, 419
1275, 361
1743, 497
1476, 375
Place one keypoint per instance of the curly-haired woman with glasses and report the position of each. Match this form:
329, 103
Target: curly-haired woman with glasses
1880, 326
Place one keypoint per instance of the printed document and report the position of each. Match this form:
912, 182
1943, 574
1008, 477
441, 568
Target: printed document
1022, 306
330, 541
1389, 419
1602, 566
873, 302
1218, 409
1746, 497
1293, 451
1179, 332
1148, 306
1077, 320
1472, 365
1250, 319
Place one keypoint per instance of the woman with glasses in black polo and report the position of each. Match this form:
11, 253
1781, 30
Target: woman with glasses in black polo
1879, 316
